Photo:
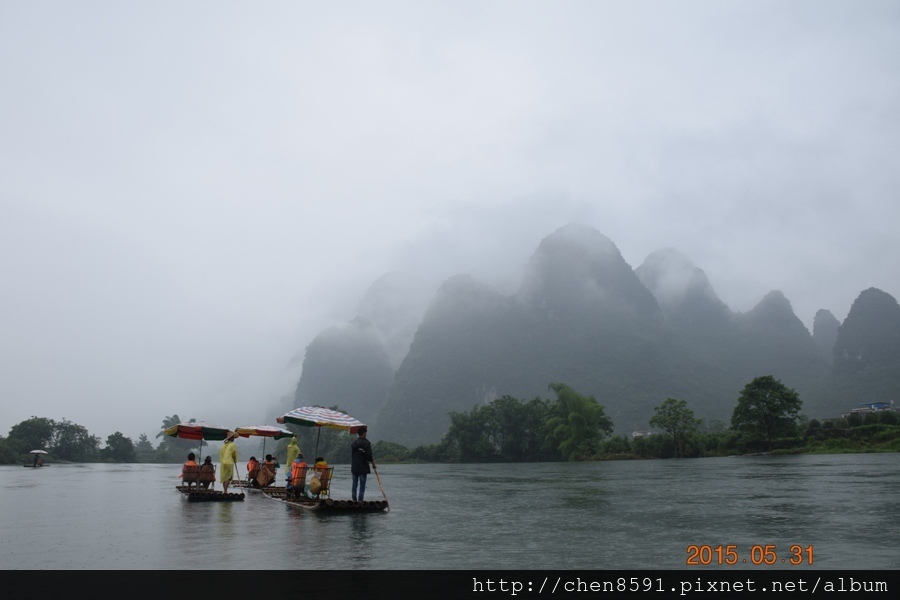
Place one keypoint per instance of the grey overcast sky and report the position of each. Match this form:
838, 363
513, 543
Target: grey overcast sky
190, 191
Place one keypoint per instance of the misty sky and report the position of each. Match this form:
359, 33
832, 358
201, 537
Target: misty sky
189, 192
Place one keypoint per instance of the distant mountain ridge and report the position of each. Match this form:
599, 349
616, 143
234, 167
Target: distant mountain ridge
582, 316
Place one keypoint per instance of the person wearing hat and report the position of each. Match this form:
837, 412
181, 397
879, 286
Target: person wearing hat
228, 457
360, 457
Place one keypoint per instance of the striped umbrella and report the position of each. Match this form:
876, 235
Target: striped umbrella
319, 416
198, 430
264, 431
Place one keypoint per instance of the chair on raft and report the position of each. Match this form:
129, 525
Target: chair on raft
190, 474
207, 476
323, 476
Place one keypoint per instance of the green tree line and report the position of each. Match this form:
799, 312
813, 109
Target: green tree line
69, 442
65, 441
568, 427
766, 418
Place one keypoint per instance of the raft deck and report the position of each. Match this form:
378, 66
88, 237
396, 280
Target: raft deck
195, 494
331, 505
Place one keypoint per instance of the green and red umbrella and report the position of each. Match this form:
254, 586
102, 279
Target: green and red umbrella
198, 430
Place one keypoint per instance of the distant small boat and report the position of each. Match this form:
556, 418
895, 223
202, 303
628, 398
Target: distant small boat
35, 466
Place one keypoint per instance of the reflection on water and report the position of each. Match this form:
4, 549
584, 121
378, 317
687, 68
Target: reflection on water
605, 515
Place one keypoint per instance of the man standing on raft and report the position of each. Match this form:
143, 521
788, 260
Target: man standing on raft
360, 457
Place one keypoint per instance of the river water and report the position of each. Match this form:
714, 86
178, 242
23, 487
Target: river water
600, 515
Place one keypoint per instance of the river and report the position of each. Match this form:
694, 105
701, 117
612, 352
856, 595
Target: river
837, 511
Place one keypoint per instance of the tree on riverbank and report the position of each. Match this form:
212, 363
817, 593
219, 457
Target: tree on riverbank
579, 424
506, 430
677, 420
72, 442
31, 434
119, 449
571, 427
766, 409
64, 440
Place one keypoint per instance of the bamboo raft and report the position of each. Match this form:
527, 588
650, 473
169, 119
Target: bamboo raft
330, 505
239, 483
195, 494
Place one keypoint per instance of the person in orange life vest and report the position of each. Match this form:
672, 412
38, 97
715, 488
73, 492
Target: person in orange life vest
252, 471
271, 463
208, 473
190, 471
296, 479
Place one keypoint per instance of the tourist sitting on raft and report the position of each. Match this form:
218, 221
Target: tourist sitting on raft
319, 481
266, 474
208, 473
252, 471
296, 479
190, 471
271, 463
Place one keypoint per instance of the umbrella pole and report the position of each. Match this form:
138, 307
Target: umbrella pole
318, 433
199, 462
263, 460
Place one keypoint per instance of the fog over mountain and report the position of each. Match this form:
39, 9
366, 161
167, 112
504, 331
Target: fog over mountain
683, 290
584, 317
825, 333
192, 195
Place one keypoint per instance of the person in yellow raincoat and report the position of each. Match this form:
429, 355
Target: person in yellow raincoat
292, 451
228, 456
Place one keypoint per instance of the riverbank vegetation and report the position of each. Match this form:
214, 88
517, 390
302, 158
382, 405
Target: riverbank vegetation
766, 419
569, 427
